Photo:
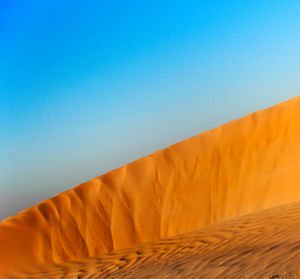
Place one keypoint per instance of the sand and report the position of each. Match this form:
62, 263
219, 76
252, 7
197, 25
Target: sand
246, 165
265, 244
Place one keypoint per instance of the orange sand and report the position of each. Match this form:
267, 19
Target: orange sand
260, 245
241, 167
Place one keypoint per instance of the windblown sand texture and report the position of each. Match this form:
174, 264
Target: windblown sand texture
244, 166
260, 245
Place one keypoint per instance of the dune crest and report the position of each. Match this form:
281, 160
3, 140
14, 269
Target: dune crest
243, 166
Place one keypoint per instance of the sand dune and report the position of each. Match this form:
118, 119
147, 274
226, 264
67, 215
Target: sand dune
260, 245
241, 167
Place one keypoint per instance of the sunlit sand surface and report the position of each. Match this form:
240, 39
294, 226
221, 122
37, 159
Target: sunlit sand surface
261, 245
242, 167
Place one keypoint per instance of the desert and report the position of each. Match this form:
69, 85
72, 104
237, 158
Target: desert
222, 204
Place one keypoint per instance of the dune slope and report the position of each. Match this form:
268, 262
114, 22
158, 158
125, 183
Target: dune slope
241, 167
259, 245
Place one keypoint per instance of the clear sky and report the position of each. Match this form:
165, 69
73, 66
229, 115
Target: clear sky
87, 86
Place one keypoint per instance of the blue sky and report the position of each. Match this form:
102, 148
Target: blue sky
87, 86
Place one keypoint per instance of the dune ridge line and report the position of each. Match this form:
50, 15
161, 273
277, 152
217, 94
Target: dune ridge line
243, 166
